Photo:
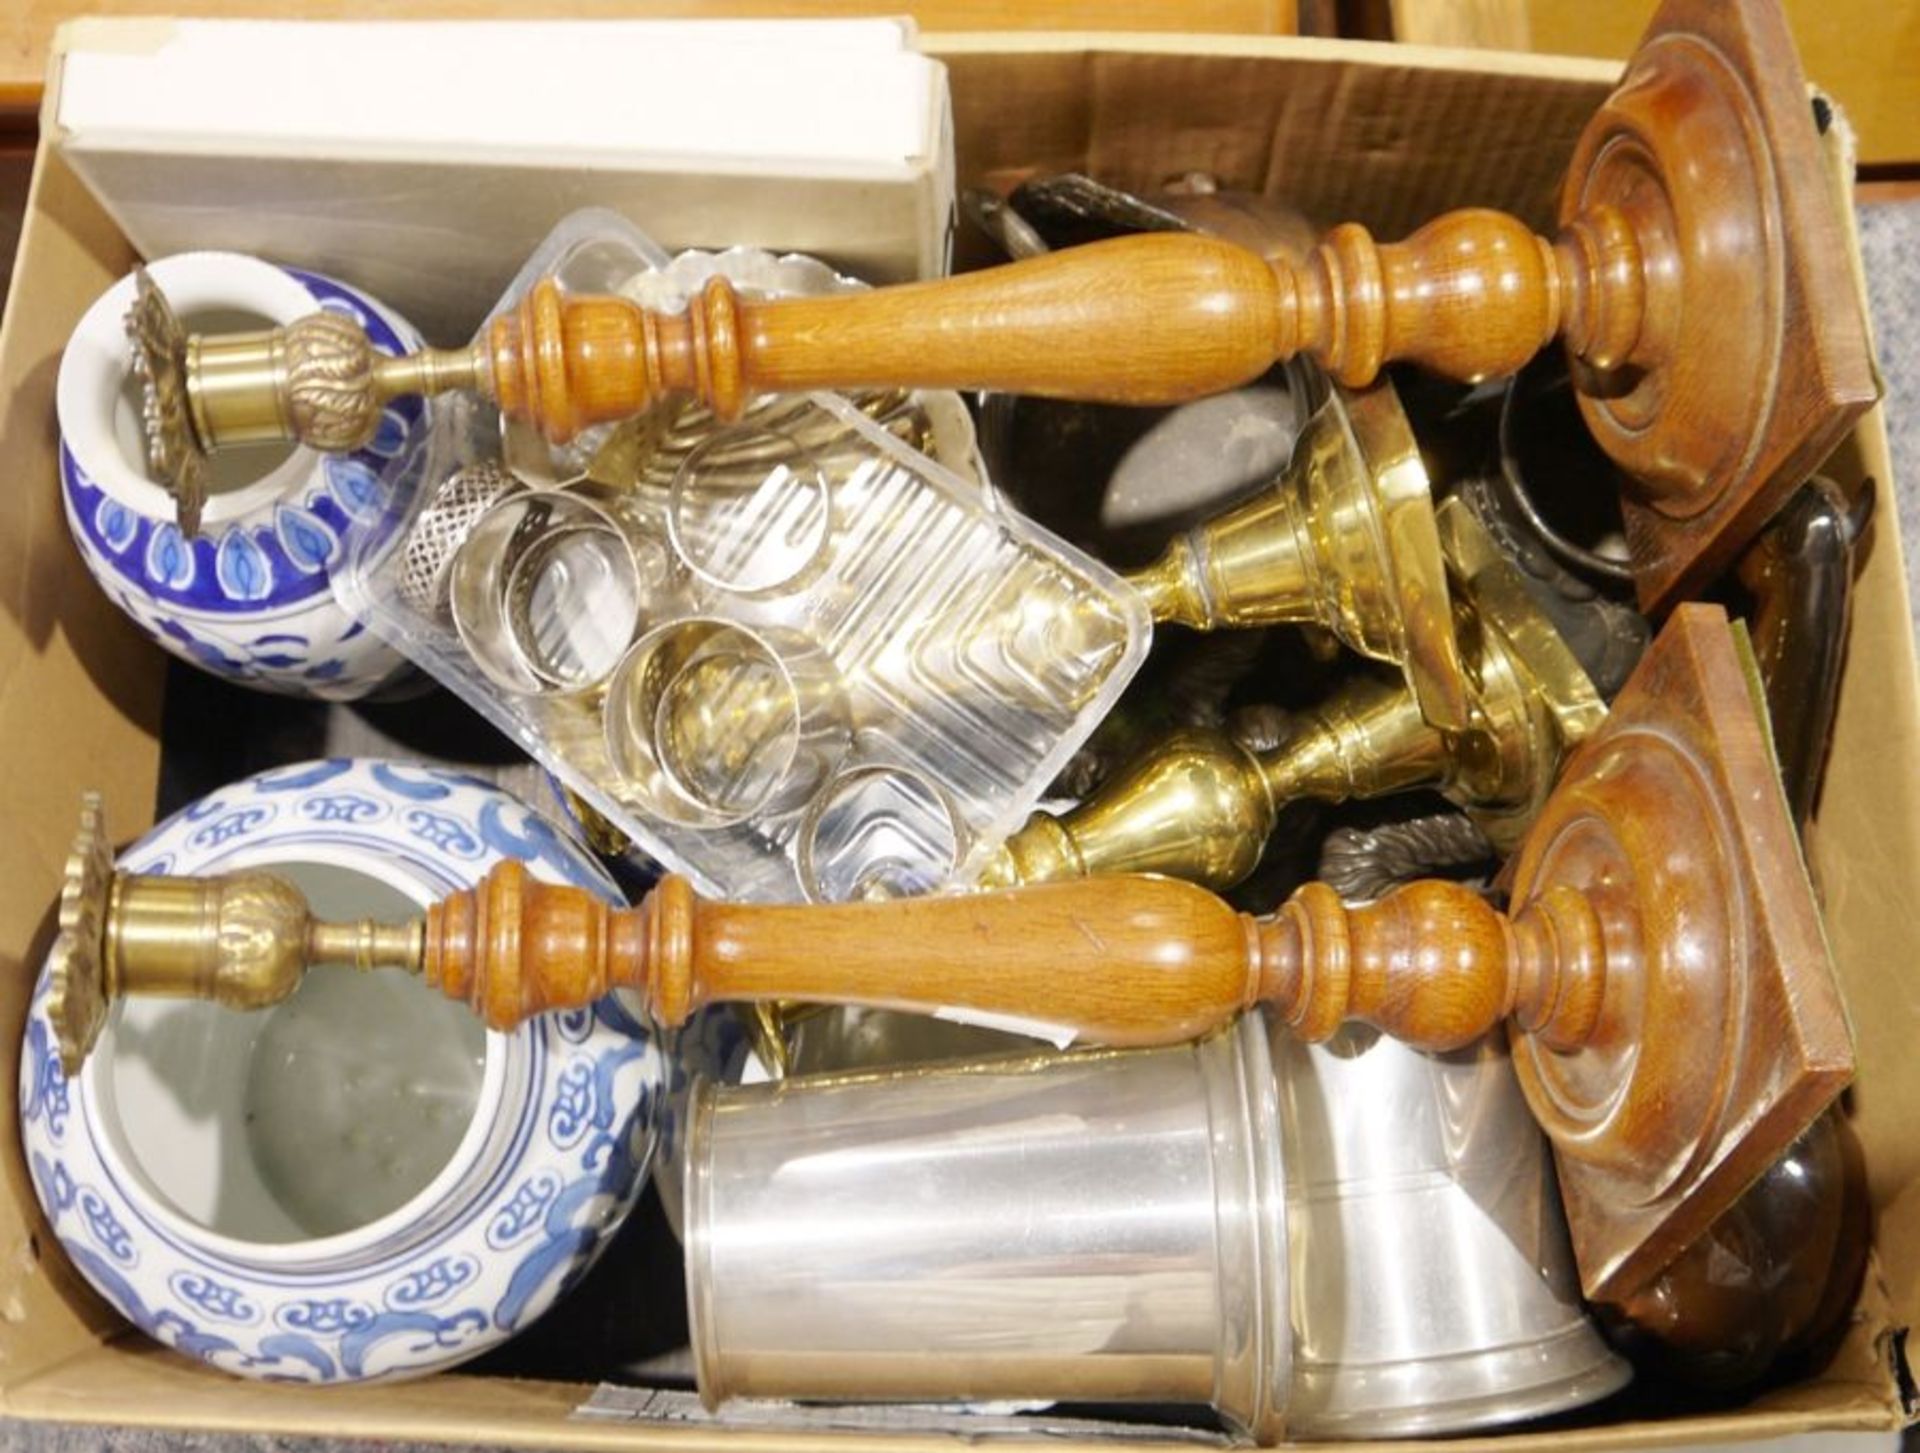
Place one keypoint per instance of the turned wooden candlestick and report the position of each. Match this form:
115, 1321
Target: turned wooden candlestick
1672, 1005
1698, 279
1674, 1013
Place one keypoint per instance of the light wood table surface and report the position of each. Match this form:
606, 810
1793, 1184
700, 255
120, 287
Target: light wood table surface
1866, 56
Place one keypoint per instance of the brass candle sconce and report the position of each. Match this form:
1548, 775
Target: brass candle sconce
1698, 279
1202, 806
1663, 972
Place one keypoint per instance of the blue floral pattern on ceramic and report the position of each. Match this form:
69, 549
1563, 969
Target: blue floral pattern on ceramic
250, 598
565, 1164
713, 1044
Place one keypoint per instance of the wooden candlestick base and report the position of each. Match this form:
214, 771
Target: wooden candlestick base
1755, 360
1674, 1014
1730, 1039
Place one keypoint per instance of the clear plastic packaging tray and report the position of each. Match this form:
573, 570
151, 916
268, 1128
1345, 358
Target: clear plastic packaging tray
793, 657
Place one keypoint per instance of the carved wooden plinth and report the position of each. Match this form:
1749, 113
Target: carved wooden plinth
1729, 1037
1753, 360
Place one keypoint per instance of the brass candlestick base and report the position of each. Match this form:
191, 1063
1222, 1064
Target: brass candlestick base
1201, 806
239, 939
1534, 701
1344, 539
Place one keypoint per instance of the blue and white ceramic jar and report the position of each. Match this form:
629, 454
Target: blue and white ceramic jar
363, 1182
712, 1045
249, 597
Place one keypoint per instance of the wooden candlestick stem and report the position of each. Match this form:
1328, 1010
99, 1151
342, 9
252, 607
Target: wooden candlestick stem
1472, 294
1124, 961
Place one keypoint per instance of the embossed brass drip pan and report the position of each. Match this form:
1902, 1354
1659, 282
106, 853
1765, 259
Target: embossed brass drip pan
240, 939
318, 379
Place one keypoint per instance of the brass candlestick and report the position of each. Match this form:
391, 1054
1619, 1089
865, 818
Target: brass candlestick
1202, 806
1344, 539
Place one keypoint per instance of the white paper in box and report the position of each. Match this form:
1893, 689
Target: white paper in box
427, 160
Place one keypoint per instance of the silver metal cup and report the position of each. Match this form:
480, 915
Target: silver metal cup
1102, 1227
1433, 1283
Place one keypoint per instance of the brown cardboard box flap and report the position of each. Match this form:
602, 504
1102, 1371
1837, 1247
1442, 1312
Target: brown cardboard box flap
1345, 130
79, 706
134, 1381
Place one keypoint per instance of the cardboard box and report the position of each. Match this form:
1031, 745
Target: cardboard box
1386, 136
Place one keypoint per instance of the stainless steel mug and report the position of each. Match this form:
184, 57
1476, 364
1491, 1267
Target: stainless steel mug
1095, 1227
1433, 1284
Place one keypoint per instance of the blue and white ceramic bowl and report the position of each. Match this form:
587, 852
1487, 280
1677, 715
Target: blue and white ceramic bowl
249, 598
360, 1183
